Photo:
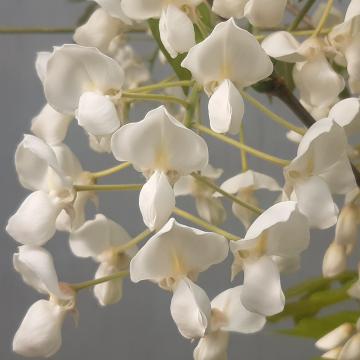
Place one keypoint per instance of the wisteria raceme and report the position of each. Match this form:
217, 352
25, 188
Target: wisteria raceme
307, 54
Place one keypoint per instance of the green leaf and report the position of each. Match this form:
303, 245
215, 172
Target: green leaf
181, 73
315, 328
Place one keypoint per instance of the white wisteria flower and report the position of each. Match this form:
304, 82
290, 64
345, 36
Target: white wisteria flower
281, 231
260, 13
230, 58
342, 343
173, 258
227, 315
108, 35
163, 149
346, 113
314, 174
102, 239
244, 186
345, 38
50, 172
39, 334
176, 20
82, 81
319, 84
209, 207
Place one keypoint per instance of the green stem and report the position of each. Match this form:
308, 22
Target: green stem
163, 85
35, 30
116, 187
276, 118
134, 241
324, 18
154, 97
110, 171
259, 154
91, 283
200, 222
192, 100
244, 161
299, 18
233, 198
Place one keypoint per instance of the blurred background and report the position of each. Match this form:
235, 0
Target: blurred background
140, 326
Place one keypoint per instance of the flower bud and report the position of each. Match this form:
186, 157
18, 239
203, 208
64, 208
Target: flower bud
336, 337
351, 350
334, 262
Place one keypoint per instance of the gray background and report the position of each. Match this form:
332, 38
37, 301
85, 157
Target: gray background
140, 326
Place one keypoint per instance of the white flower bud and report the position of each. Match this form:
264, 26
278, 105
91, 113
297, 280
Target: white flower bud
334, 262
336, 337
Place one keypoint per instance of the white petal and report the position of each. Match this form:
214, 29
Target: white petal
33, 157
229, 8
69, 164
97, 114
282, 46
73, 70
42, 58
226, 109
212, 347
50, 126
262, 292
36, 266
284, 228
351, 350
250, 180
335, 337
110, 292
114, 8
229, 52
346, 113
352, 10
265, 13
190, 309
210, 209
142, 9
239, 318
184, 186
34, 221
156, 201
317, 82
96, 236
176, 31
316, 203
39, 334
353, 63
177, 250
160, 142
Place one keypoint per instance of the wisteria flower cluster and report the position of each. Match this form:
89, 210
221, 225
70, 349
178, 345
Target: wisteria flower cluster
218, 51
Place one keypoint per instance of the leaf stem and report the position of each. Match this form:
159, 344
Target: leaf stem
115, 187
163, 85
244, 161
200, 222
91, 283
110, 171
142, 236
227, 195
259, 154
324, 18
35, 30
277, 118
301, 15
154, 97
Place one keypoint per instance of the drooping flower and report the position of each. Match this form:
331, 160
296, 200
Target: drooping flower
314, 174
319, 84
260, 13
209, 208
227, 315
163, 150
281, 231
102, 239
173, 258
229, 59
50, 172
244, 187
39, 334
176, 20
82, 81
346, 113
